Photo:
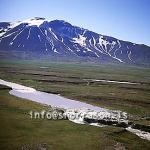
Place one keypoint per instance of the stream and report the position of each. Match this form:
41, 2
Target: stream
85, 112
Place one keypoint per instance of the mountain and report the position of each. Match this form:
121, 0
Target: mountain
59, 38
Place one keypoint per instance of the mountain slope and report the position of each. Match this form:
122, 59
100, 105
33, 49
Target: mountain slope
59, 38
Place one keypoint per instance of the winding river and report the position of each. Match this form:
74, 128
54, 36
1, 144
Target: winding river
71, 106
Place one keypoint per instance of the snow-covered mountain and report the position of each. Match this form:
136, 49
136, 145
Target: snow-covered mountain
60, 38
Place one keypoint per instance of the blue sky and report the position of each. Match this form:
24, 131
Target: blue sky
128, 20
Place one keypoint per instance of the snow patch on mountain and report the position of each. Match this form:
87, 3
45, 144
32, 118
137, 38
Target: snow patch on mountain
80, 40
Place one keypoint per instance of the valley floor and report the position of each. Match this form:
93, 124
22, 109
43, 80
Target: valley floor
18, 130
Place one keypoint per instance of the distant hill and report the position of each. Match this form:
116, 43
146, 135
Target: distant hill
38, 37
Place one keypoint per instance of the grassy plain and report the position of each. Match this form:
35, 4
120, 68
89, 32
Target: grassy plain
18, 130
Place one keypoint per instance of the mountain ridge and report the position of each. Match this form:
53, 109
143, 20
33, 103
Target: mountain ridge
60, 38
